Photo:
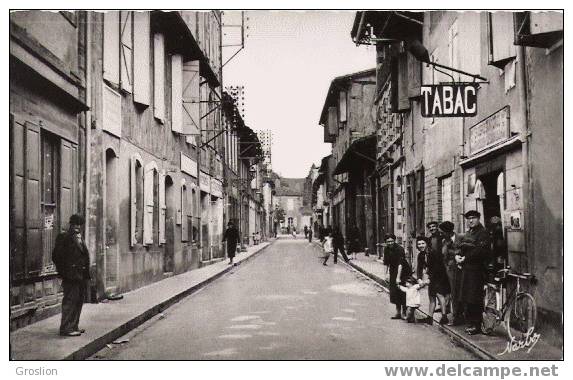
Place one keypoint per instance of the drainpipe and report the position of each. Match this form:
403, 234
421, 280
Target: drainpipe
527, 187
88, 126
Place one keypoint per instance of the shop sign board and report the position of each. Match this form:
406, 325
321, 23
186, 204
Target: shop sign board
216, 188
449, 100
205, 182
490, 131
188, 166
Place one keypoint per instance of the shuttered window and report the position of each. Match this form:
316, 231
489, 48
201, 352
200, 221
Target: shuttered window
158, 77
141, 56
111, 46
162, 208
184, 207
126, 51
149, 186
501, 29
191, 97
136, 184
176, 93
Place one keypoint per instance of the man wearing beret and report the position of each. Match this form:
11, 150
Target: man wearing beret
72, 261
475, 246
435, 237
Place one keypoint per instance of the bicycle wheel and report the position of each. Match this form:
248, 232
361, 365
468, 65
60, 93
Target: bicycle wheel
521, 316
490, 314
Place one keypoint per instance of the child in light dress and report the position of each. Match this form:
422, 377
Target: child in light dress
412, 290
328, 247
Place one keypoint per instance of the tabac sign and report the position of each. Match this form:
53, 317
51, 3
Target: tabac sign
449, 100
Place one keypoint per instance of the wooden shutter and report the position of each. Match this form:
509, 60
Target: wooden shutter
502, 49
184, 206
342, 105
176, 92
332, 129
191, 97
141, 55
111, 46
158, 77
162, 208
414, 76
126, 51
18, 200
66, 206
133, 201
148, 205
402, 68
34, 260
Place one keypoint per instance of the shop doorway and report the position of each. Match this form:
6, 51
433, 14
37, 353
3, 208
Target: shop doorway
488, 196
110, 222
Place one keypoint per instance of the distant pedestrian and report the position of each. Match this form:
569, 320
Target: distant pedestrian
328, 247
231, 236
397, 271
450, 248
354, 241
310, 235
294, 232
475, 253
439, 286
72, 260
413, 298
305, 231
338, 240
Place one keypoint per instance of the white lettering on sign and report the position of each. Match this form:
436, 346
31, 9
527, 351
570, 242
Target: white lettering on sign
455, 100
489, 131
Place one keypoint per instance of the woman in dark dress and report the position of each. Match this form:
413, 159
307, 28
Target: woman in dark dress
231, 236
433, 263
399, 270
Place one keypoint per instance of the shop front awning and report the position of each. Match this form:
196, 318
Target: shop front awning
360, 153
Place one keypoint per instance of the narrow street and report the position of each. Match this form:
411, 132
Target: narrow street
285, 305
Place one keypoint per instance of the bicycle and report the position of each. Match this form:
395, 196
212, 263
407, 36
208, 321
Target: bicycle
518, 311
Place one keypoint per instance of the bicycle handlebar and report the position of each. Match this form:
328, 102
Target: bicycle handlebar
524, 276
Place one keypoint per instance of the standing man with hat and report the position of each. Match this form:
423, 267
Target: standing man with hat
450, 248
435, 237
72, 260
473, 257
231, 235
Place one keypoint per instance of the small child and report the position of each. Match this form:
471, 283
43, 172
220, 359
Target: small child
412, 290
328, 247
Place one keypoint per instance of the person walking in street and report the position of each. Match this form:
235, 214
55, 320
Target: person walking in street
353, 241
328, 247
231, 236
72, 260
305, 231
310, 235
439, 287
397, 271
450, 249
338, 241
294, 232
473, 258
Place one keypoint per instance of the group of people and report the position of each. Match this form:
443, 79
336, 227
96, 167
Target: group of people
333, 242
453, 267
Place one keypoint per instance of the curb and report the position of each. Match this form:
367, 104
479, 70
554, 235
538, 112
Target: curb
99, 343
457, 337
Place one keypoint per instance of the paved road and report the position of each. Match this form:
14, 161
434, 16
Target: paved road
285, 305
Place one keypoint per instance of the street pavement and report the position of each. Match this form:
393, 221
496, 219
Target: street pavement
284, 305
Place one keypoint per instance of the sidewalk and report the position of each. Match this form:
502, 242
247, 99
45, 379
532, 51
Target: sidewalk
105, 322
485, 346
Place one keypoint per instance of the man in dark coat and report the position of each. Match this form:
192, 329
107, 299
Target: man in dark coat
435, 237
72, 260
450, 248
231, 236
338, 241
473, 258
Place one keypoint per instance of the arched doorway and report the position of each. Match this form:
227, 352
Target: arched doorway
111, 211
